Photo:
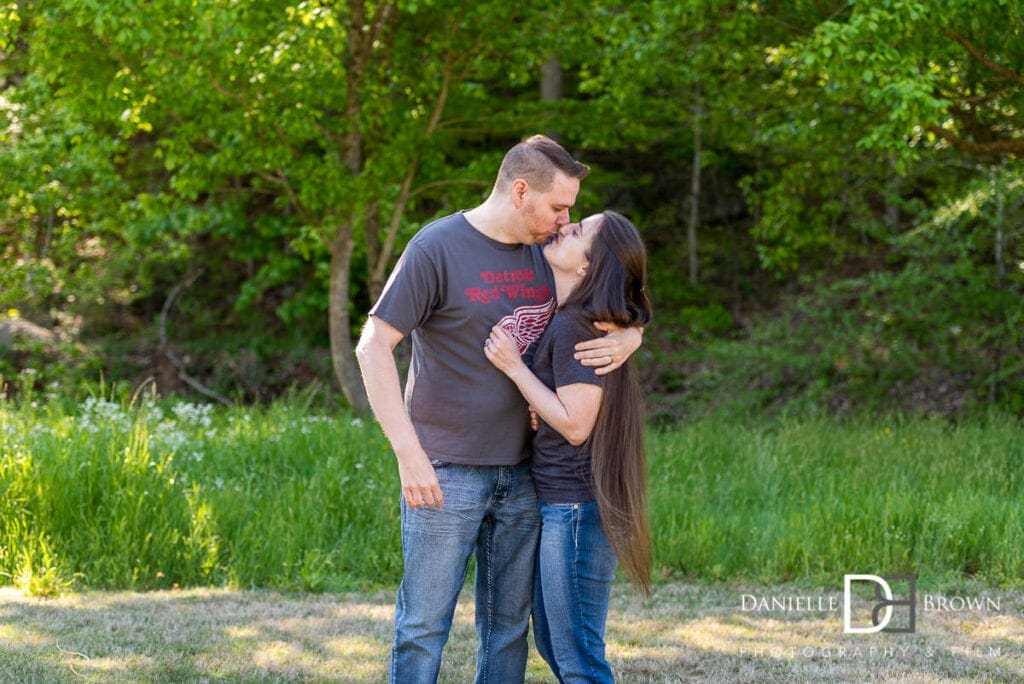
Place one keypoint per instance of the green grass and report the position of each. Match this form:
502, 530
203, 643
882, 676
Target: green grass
178, 494
164, 494
816, 499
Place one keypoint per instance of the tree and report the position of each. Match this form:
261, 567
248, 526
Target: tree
876, 92
302, 135
902, 143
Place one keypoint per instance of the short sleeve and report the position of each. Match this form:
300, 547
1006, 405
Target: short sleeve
412, 291
568, 332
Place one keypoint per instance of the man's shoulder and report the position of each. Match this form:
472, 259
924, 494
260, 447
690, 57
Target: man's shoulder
440, 230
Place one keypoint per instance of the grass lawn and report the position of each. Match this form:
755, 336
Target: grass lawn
170, 497
685, 632
158, 494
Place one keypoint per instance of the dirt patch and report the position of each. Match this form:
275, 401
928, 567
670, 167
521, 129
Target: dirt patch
684, 633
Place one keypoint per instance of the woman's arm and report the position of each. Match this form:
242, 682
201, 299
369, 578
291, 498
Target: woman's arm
571, 410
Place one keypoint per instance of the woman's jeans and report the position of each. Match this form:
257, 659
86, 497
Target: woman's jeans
575, 569
491, 510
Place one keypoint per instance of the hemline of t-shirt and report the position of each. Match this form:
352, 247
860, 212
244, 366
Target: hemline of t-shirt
562, 500
373, 312
444, 459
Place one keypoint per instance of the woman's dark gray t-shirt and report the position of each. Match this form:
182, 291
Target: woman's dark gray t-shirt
561, 471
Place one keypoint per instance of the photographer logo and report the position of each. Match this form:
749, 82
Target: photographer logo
883, 609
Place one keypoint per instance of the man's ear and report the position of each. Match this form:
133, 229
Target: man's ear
520, 188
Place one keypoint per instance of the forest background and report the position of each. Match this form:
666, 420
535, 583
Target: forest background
210, 194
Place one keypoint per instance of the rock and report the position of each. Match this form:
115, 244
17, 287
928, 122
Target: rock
13, 330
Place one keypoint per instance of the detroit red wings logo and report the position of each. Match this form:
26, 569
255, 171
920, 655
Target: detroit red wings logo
526, 323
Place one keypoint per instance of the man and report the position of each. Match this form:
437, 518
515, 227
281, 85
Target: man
460, 436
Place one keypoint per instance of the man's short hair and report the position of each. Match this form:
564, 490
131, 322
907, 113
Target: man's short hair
536, 160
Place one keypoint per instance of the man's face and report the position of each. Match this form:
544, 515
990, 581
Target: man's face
546, 212
568, 251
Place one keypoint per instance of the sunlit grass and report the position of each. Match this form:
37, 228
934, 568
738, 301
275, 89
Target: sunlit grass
682, 633
157, 495
151, 494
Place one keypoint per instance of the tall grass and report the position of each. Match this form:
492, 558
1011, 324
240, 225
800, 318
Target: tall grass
156, 494
816, 499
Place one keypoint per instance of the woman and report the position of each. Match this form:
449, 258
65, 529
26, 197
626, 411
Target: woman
587, 462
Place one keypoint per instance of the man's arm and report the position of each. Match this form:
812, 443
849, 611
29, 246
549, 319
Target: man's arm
570, 409
611, 350
375, 353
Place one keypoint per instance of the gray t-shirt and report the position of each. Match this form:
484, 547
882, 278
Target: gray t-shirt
561, 472
451, 285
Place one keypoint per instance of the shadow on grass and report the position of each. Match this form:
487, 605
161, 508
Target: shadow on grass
684, 633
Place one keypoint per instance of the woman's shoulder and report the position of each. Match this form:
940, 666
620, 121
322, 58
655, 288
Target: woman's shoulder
573, 322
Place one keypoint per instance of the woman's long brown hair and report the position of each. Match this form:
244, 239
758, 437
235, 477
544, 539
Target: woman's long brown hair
615, 289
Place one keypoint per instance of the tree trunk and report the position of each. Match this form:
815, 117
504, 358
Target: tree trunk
1000, 217
362, 36
999, 220
551, 87
691, 230
339, 324
892, 210
381, 258
371, 240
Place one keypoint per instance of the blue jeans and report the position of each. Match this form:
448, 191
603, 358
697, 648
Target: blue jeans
489, 510
575, 569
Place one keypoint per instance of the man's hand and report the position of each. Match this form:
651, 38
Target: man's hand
419, 481
611, 351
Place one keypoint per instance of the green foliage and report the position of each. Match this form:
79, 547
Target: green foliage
938, 338
38, 573
156, 494
851, 153
36, 361
257, 137
875, 95
816, 499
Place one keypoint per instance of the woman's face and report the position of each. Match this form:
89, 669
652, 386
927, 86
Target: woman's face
568, 250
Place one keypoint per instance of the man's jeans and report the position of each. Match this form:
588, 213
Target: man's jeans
575, 569
491, 510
